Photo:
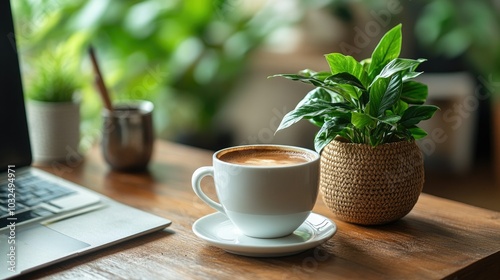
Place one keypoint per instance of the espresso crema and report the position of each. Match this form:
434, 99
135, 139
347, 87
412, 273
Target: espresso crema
257, 156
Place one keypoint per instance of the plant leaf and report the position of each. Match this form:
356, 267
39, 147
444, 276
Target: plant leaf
417, 132
399, 65
414, 92
348, 93
411, 75
318, 121
366, 63
347, 79
328, 132
301, 78
313, 74
304, 111
317, 111
391, 120
415, 114
387, 49
322, 139
384, 94
315, 95
360, 120
399, 108
338, 111
340, 63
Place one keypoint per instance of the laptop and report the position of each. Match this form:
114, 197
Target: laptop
45, 219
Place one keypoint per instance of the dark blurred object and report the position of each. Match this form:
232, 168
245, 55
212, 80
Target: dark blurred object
128, 137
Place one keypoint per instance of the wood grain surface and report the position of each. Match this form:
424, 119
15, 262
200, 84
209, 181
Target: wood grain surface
438, 239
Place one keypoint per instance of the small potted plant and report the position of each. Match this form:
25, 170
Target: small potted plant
53, 109
371, 168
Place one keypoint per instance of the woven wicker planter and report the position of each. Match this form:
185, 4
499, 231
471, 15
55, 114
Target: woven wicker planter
370, 186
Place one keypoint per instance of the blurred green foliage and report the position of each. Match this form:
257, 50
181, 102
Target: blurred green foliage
449, 30
184, 55
466, 28
56, 78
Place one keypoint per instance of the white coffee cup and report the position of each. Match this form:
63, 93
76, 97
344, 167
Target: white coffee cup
267, 191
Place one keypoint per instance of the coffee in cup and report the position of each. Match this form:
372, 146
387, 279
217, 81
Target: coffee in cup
266, 191
264, 156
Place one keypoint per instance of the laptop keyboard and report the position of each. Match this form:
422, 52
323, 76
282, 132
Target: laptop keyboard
30, 192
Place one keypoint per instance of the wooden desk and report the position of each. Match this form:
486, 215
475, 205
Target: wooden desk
438, 239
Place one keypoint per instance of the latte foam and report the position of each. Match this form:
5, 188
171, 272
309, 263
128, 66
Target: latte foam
257, 156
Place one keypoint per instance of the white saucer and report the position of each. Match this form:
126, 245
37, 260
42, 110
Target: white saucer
218, 231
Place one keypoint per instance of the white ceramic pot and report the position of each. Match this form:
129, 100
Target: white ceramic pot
54, 130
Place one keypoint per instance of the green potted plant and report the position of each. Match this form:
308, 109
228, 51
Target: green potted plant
371, 168
53, 109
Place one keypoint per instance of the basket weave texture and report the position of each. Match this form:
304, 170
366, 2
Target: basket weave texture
371, 185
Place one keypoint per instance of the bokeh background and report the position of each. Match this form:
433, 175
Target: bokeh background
205, 63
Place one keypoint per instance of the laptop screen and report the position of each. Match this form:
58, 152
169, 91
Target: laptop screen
14, 139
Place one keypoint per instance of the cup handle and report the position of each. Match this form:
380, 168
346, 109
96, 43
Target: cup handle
195, 182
